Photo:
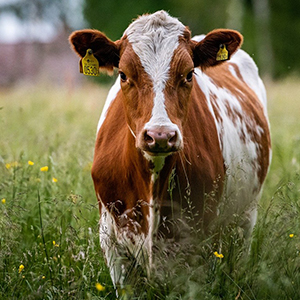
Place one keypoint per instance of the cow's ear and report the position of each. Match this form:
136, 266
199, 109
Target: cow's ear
212, 49
105, 50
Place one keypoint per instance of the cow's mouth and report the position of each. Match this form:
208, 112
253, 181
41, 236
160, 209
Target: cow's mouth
161, 152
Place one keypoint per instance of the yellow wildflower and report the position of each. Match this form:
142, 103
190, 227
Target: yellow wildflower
3, 201
54, 179
30, 163
21, 268
100, 287
44, 169
54, 244
218, 255
43, 277
7, 166
291, 235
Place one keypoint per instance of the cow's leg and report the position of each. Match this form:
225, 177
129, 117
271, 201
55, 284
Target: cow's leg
109, 247
127, 253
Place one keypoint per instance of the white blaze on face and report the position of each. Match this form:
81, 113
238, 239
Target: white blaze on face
154, 39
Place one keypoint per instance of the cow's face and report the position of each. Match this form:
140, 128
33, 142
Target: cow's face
156, 84
153, 114
156, 60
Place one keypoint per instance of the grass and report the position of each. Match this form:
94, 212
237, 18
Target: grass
51, 228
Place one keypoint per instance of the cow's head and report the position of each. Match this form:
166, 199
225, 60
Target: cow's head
156, 59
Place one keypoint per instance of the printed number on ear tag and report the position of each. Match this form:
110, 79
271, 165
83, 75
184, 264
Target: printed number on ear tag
222, 53
90, 64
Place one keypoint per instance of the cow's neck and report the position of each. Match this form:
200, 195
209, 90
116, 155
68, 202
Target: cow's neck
156, 164
160, 168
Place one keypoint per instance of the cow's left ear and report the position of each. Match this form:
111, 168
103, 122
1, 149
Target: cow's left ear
208, 52
105, 50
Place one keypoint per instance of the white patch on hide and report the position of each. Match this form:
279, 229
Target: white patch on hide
109, 99
240, 156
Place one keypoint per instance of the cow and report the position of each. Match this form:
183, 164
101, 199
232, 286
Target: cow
184, 127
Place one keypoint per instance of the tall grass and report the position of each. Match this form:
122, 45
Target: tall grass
49, 219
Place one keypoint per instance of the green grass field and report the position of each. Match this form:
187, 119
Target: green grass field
49, 246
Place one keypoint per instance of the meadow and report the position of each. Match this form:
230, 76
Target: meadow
49, 245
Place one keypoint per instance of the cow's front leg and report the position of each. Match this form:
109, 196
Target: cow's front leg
126, 252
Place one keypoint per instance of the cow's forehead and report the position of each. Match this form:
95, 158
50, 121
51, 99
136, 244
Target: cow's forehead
154, 39
149, 26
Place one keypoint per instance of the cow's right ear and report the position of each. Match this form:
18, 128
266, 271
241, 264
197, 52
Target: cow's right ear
105, 50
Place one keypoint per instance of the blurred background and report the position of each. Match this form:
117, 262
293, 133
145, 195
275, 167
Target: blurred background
34, 33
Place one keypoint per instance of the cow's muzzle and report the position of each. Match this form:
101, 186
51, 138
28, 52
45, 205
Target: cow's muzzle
160, 140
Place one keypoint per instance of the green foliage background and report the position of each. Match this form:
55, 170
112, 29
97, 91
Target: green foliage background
271, 27
276, 23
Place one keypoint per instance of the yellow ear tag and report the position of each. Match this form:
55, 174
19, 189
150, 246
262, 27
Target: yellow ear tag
222, 53
90, 64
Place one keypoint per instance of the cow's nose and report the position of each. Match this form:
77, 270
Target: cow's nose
161, 140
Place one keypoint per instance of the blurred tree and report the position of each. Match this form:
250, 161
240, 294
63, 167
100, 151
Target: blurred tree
271, 27
113, 17
285, 33
272, 31
63, 14
264, 48
200, 16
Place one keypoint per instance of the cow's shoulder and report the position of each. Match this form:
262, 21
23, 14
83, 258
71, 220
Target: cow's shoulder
242, 66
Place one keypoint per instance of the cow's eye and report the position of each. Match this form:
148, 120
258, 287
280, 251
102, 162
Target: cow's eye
189, 76
123, 76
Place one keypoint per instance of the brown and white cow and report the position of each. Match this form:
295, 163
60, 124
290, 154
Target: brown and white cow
175, 114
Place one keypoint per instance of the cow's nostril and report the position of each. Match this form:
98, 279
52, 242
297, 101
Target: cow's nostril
172, 138
148, 138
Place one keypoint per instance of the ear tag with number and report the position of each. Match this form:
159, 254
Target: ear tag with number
222, 53
89, 64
